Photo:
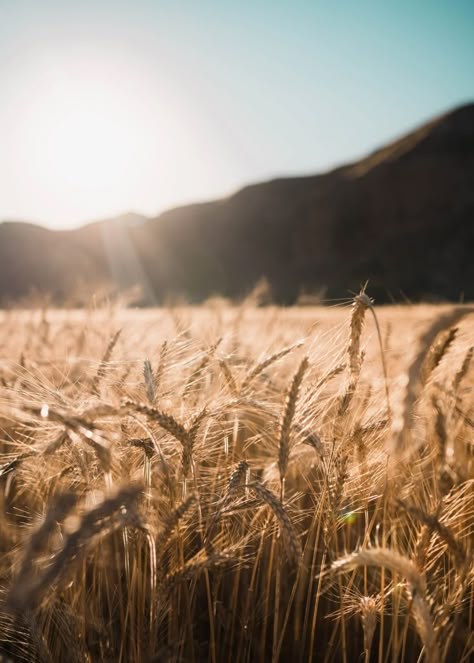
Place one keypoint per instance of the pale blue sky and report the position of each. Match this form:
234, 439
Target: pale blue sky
107, 106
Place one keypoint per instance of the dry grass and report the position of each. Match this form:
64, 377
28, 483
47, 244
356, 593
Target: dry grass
237, 484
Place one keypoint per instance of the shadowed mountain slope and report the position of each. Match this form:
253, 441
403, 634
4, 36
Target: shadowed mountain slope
402, 217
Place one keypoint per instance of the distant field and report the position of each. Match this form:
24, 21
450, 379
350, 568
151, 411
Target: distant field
237, 484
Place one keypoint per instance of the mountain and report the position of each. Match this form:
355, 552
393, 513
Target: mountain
402, 217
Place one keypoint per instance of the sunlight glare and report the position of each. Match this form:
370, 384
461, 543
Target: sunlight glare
93, 134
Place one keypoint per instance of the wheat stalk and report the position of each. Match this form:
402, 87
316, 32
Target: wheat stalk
417, 592
288, 416
149, 381
229, 377
461, 374
104, 361
92, 523
290, 539
427, 358
265, 363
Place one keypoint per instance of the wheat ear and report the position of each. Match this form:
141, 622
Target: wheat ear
265, 363
288, 416
103, 364
291, 541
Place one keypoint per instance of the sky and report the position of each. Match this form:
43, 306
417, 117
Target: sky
108, 106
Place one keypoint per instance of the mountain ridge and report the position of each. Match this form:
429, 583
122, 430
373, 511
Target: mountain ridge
401, 216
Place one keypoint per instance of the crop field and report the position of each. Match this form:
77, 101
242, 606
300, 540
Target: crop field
237, 484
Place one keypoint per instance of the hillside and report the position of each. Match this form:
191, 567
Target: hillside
402, 217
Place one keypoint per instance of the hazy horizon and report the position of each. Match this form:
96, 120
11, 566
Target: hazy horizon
139, 106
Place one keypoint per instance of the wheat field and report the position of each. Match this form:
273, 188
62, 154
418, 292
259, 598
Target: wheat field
237, 484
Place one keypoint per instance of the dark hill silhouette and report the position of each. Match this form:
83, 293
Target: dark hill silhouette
402, 217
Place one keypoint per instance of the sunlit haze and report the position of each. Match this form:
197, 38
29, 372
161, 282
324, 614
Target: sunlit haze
107, 107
